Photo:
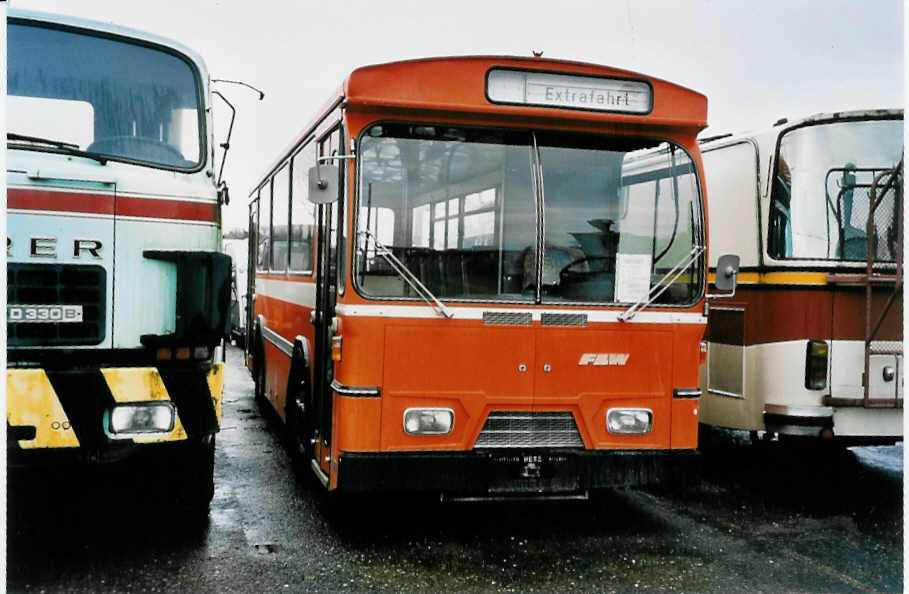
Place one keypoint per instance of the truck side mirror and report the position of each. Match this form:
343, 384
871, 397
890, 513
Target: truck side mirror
727, 272
323, 184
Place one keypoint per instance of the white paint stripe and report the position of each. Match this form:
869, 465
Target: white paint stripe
298, 293
304, 294
67, 189
284, 345
476, 313
168, 221
58, 213
170, 197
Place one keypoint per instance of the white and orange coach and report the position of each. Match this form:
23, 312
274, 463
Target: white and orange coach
485, 277
811, 346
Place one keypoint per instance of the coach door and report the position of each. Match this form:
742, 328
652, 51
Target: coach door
327, 225
251, 274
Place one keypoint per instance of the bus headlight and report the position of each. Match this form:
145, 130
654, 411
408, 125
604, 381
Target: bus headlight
629, 421
138, 418
428, 421
816, 365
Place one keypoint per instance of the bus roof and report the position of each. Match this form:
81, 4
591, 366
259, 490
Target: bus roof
89, 25
456, 85
785, 124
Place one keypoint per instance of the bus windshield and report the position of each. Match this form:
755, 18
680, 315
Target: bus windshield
499, 215
103, 95
821, 187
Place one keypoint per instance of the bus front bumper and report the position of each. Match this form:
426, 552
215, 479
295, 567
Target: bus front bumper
848, 425
505, 472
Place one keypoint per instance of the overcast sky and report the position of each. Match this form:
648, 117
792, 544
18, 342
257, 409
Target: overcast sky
755, 61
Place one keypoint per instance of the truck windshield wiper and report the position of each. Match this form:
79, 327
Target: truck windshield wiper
657, 289
408, 276
67, 147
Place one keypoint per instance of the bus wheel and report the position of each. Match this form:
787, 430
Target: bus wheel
259, 378
298, 428
297, 436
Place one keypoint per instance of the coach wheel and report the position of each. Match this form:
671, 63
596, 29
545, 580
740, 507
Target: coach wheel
259, 378
297, 409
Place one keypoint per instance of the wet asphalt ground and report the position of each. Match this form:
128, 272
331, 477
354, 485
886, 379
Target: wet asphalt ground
762, 519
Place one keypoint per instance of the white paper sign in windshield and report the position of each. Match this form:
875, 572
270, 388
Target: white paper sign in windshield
632, 277
566, 90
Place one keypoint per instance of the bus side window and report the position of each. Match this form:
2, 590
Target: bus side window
280, 217
264, 237
302, 211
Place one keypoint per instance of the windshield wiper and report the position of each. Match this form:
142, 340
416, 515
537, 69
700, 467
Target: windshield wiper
408, 276
67, 147
663, 284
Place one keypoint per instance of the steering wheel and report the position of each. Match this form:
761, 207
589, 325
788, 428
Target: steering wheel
565, 272
138, 147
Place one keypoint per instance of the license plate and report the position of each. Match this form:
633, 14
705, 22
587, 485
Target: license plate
43, 314
533, 473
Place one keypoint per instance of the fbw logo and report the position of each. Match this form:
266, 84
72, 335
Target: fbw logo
600, 359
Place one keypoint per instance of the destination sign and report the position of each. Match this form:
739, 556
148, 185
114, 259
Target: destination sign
567, 90
48, 314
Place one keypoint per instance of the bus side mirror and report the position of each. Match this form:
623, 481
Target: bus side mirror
223, 194
727, 272
323, 184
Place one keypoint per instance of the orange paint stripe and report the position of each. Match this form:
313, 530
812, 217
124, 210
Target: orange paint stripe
778, 278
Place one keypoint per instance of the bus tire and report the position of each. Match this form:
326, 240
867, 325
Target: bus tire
298, 426
259, 372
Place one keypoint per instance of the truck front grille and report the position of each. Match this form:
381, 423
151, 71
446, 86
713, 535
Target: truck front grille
57, 284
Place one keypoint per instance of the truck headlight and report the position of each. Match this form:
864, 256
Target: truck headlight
140, 418
428, 421
629, 421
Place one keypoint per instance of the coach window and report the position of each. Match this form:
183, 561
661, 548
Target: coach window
302, 211
280, 217
264, 249
330, 145
254, 227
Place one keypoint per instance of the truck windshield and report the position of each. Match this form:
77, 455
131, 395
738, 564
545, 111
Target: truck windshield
819, 203
102, 95
497, 215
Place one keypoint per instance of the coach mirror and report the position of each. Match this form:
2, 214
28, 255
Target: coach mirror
323, 183
323, 179
727, 271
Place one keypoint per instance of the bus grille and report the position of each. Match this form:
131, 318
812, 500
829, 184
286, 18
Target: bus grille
57, 284
507, 429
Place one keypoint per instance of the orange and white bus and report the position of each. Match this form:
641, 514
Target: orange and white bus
485, 277
811, 344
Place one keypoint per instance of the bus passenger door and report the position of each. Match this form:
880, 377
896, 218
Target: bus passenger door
252, 245
327, 225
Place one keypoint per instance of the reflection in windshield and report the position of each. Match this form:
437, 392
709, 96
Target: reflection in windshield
820, 197
102, 95
461, 209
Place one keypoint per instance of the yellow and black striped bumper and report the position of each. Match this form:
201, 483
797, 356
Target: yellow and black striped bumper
65, 410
